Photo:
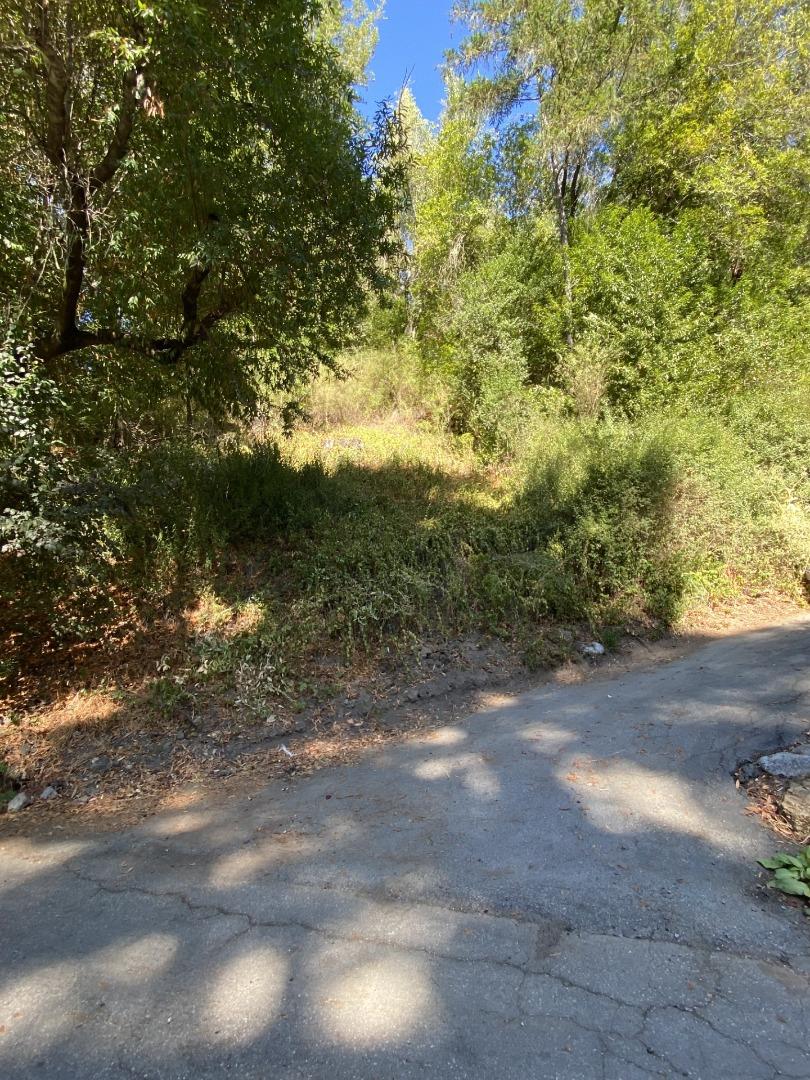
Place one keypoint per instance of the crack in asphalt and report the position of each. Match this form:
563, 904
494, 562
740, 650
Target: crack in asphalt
665, 994
531, 968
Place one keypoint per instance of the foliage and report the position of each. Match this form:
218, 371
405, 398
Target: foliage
628, 190
384, 385
193, 191
453, 184
379, 532
791, 874
579, 382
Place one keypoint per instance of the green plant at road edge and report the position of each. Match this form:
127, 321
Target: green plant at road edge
791, 874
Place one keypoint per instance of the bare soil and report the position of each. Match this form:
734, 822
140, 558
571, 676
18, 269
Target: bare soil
94, 733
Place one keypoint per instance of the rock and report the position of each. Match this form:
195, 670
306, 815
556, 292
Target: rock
49, 793
594, 648
19, 802
796, 806
100, 765
790, 766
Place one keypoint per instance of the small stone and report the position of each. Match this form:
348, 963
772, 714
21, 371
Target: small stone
49, 793
19, 802
100, 765
790, 766
796, 806
593, 648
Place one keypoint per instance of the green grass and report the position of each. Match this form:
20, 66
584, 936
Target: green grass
370, 534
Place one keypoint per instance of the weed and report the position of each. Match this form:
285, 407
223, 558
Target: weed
168, 696
791, 874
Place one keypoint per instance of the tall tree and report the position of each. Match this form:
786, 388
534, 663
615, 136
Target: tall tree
554, 72
353, 27
186, 178
724, 126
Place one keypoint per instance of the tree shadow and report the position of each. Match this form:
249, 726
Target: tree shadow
563, 885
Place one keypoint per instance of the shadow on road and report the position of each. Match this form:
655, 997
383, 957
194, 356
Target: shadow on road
562, 886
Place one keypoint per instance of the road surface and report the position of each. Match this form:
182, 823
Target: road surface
564, 886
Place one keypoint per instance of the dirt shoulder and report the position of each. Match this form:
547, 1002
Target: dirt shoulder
112, 758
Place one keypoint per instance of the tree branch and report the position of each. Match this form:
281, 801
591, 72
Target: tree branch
119, 143
166, 350
57, 90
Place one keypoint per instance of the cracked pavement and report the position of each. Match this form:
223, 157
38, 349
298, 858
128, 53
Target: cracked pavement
561, 886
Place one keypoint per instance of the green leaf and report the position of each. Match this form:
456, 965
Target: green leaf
779, 861
790, 885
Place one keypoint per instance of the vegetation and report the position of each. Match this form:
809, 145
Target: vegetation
564, 373
791, 874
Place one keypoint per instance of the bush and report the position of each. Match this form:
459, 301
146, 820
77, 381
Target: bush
603, 520
87, 536
650, 517
486, 364
598, 501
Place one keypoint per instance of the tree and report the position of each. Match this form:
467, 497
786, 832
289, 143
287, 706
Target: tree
455, 210
187, 180
724, 130
555, 72
352, 27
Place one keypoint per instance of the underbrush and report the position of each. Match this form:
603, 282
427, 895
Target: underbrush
375, 534
387, 387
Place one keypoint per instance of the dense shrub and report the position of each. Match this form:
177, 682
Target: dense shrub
87, 537
597, 518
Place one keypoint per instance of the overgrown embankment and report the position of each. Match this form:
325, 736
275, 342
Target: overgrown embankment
253, 589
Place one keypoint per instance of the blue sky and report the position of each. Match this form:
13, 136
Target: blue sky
414, 35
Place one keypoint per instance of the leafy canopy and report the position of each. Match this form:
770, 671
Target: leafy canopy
188, 180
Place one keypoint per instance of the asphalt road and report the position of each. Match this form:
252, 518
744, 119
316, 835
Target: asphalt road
564, 886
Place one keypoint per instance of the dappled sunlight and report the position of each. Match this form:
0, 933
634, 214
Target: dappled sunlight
622, 797
339, 916
135, 962
375, 1002
544, 737
246, 995
125, 967
89, 716
448, 736
492, 700
177, 824
249, 863
476, 775
375, 445
25, 859
212, 614
46, 991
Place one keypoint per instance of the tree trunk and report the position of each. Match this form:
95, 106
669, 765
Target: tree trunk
564, 235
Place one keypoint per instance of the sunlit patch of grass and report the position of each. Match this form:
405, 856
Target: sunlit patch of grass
371, 446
